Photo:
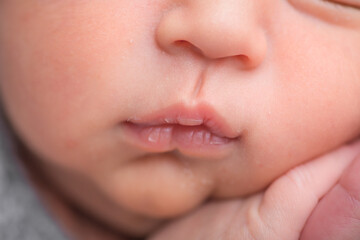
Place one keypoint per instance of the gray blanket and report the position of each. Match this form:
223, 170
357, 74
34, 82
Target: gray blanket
22, 216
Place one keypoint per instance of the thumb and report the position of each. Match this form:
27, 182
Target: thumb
290, 200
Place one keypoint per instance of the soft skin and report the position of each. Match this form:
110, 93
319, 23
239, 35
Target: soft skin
266, 215
285, 74
338, 213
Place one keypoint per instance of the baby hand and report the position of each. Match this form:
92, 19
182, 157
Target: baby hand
337, 216
280, 212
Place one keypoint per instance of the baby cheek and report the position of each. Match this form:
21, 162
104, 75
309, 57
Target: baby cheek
71, 57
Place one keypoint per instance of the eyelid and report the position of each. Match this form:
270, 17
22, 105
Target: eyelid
346, 3
337, 12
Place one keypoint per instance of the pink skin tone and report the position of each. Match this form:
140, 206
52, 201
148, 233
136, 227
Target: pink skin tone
280, 212
337, 215
284, 75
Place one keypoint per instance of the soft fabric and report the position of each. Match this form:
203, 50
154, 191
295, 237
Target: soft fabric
22, 216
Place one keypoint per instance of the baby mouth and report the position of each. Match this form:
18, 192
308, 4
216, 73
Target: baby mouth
189, 140
193, 133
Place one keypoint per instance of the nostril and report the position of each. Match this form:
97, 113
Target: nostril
188, 45
182, 43
245, 62
243, 58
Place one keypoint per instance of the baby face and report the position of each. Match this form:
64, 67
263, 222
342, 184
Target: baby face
142, 110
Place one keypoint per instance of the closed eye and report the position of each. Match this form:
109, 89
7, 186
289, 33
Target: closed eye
345, 13
345, 3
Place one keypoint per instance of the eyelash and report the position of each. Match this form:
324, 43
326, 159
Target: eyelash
344, 13
340, 5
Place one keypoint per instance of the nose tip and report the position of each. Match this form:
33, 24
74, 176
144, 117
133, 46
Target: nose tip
214, 32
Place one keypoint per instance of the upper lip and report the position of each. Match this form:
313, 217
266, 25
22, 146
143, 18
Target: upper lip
201, 114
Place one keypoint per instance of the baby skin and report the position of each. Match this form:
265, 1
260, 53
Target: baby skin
145, 111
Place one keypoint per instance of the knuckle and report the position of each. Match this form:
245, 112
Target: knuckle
258, 226
300, 178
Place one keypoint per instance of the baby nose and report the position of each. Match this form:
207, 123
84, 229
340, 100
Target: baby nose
215, 29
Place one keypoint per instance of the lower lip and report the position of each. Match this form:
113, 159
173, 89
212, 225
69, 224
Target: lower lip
189, 140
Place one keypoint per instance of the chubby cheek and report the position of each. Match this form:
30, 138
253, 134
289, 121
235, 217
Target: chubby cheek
305, 106
60, 79
315, 104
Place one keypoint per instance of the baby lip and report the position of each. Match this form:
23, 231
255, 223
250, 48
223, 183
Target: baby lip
179, 114
178, 120
189, 121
